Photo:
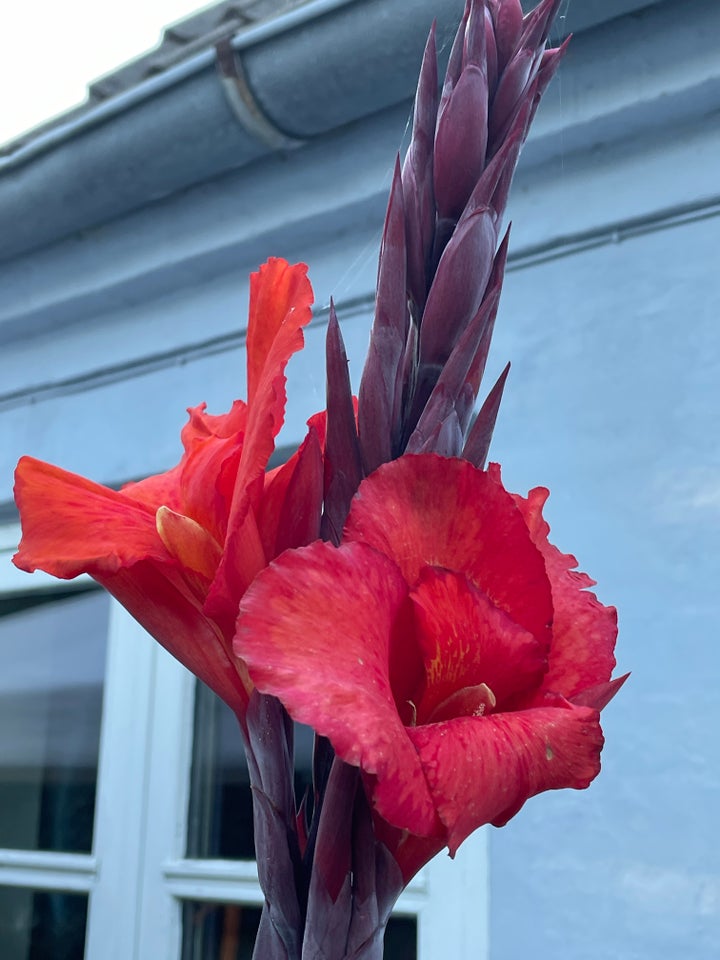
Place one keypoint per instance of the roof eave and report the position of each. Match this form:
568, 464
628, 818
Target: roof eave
276, 85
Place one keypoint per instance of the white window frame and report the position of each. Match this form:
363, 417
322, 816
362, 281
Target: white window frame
137, 875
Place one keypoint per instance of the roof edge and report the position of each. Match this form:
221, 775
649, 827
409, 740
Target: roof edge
153, 140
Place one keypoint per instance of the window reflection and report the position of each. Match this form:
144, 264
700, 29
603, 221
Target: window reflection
220, 822
218, 931
42, 924
220, 826
53, 655
226, 931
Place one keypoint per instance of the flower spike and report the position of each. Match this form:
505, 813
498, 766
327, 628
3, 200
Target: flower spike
453, 190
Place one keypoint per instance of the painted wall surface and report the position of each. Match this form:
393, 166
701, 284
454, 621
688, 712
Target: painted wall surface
613, 404
610, 318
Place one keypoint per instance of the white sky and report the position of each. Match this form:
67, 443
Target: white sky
51, 49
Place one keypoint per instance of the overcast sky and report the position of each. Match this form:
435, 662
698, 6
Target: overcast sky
51, 49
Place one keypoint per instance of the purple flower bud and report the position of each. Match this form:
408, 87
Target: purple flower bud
510, 88
491, 54
478, 441
436, 291
343, 468
508, 19
381, 387
417, 177
537, 23
461, 142
548, 65
474, 52
455, 61
459, 285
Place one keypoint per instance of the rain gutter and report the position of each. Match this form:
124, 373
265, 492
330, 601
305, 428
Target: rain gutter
292, 78
266, 89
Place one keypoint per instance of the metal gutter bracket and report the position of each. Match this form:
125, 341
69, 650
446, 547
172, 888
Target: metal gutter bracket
243, 102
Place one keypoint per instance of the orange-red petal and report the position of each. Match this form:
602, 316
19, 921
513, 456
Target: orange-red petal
280, 302
292, 498
71, 525
160, 600
281, 298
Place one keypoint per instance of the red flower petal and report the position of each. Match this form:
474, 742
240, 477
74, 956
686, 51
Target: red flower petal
218, 437
280, 305
217, 459
584, 630
427, 510
315, 630
291, 505
161, 490
468, 641
72, 525
280, 301
160, 600
482, 770
203, 425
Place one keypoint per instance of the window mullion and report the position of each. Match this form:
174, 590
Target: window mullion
122, 789
170, 752
453, 888
38, 869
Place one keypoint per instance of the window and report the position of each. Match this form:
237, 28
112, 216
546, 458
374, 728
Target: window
74, 696
220, 825
53, 649
124, 815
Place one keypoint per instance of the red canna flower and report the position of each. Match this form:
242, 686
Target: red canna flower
179, 549
445, 647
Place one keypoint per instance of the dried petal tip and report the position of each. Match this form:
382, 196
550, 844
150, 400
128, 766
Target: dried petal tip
600, 695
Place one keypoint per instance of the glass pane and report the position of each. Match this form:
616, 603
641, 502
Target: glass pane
223, 931
401, 939
218, 931
53, 663
220, 815
42, 924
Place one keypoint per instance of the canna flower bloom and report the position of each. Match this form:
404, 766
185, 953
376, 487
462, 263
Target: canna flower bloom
179, 549
445, 648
